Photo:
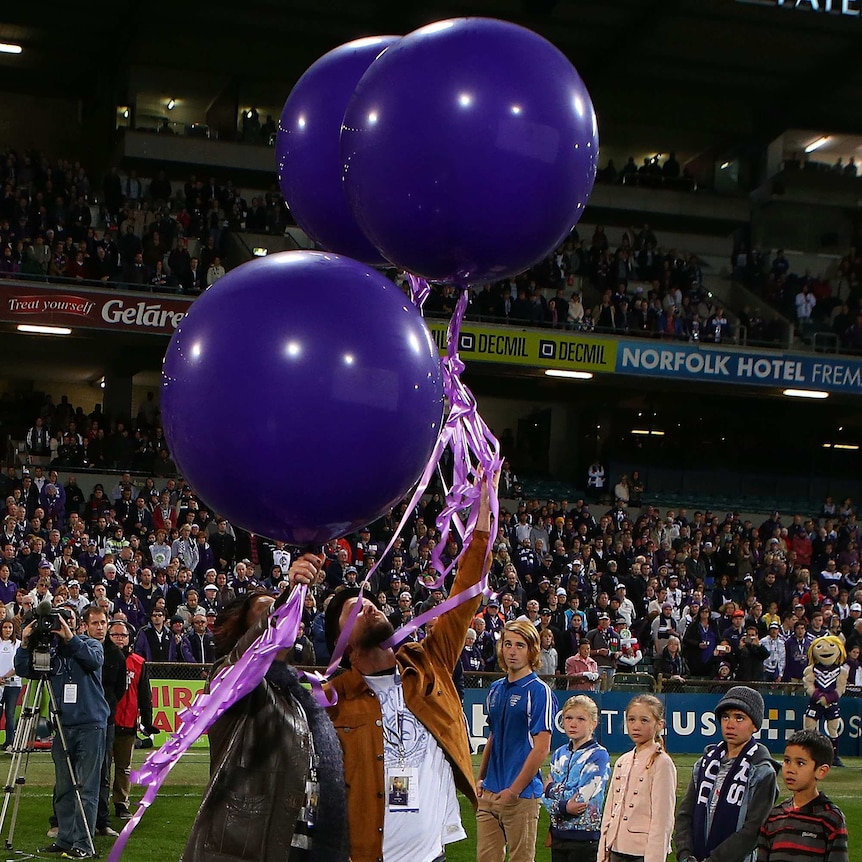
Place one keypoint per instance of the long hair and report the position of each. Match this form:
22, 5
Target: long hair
526, 630
654, 706
232, 622
836, 642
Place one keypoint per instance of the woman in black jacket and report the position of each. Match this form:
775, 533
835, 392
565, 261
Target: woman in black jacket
671, 669
699, 643
276, 788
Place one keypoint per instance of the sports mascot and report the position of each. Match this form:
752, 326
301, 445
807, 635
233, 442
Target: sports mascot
825, 680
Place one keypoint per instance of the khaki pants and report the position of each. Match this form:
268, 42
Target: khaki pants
124, 744
511, 826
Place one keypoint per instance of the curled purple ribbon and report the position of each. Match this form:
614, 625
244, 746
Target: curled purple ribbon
474, 449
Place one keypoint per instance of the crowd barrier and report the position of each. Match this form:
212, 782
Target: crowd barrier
691, 724
690, 718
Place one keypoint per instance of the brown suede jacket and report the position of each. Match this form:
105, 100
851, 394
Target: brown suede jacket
430, 694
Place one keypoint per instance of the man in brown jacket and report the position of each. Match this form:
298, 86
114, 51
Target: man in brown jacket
401, 725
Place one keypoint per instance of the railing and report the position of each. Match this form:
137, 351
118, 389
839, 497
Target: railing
719, 686
621, 682
825, 342
637, 681
112, 284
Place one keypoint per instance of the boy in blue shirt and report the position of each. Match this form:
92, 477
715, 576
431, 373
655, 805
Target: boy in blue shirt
520, 715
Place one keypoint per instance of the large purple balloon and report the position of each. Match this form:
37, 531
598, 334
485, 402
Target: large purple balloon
306, 147
469, 150
302, 396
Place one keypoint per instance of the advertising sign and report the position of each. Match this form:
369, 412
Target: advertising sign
170, 698
538, 348
21, 302
717, 365
690, 718
850, 8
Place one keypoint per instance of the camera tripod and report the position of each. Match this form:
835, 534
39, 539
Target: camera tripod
22, 745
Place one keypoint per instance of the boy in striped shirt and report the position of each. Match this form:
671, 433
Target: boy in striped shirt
808, 826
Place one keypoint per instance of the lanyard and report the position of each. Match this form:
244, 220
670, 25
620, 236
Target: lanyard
394, 736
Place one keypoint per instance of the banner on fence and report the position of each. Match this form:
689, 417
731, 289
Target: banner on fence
691, 724
170, 698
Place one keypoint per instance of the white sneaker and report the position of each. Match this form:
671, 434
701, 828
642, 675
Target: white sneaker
53, 832
107, 830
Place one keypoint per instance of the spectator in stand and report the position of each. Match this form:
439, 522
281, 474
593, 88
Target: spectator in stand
471, 656
197, 645
604, 647
596, 479
214, 272
804, 302
159, 276
671, 669
699, 643
36, 440
796, 652
751, 657
136, 273
8, 265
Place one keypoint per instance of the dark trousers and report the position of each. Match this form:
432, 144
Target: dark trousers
86, 754
103, 815
574, 851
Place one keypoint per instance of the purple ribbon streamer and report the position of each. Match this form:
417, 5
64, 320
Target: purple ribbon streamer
474, 449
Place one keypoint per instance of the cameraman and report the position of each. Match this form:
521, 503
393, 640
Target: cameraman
75, 680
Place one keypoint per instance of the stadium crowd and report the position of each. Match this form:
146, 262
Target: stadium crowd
56, 223
814, 302
642, 290
651, 173
167, 235
610, 587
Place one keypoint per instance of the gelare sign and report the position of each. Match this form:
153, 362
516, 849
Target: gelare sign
851, 8
30, 303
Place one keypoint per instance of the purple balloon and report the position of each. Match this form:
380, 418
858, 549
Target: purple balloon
469, 150
302, 396
306, 147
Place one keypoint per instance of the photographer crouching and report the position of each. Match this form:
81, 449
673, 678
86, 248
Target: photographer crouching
71, 664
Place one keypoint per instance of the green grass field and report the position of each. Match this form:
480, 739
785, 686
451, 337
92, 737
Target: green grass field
163, 831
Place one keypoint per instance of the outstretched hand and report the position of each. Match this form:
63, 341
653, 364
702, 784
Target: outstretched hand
484, 520
304, 569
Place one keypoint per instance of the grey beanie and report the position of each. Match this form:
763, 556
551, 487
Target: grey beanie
744, 698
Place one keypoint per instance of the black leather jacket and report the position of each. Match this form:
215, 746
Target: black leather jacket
259, 759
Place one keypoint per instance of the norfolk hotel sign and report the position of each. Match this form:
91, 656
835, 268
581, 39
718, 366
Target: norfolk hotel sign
851, 8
